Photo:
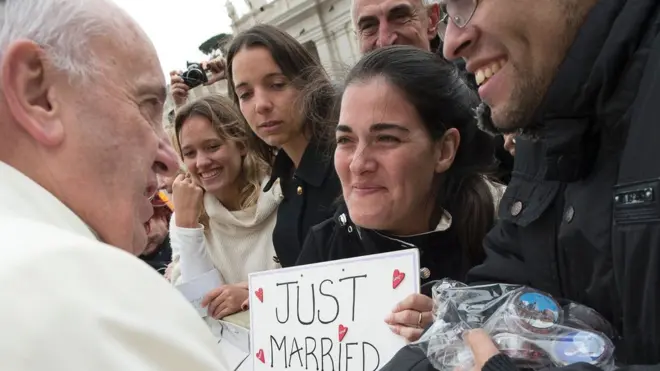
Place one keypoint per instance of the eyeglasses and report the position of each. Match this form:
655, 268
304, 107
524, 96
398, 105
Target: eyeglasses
459, 11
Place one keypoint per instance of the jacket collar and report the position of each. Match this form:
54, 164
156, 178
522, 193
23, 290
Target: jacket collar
591, 93
344, 220
21, 197
314, 165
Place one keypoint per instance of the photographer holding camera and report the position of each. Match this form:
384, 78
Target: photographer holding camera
195, 75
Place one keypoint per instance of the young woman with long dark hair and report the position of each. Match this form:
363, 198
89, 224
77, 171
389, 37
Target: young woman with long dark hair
268, 72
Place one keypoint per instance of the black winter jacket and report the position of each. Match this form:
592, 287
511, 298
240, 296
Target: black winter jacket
309, 195
338, 238
581, 216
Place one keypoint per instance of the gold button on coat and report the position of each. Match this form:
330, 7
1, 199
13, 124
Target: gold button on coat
299, 190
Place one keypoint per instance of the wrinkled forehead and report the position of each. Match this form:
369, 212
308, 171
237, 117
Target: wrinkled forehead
130, 59
382, 8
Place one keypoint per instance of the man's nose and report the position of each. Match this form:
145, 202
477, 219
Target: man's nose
386, 36
166, 163
161, 182
457, 40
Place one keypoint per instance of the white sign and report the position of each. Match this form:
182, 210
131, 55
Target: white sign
330, 316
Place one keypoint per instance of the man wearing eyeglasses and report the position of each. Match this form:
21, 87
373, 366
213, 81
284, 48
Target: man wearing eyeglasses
578, 82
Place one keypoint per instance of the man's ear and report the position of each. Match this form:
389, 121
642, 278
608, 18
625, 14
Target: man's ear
27, 84
434, 18
445, 150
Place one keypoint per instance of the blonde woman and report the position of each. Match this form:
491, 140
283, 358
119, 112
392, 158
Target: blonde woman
222, 220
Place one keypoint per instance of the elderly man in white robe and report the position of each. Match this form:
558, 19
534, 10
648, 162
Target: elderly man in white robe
81, 145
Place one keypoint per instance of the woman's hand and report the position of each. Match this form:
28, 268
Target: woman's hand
246, 304
225, 300
187, 197
178, 88
169, 270
411, 316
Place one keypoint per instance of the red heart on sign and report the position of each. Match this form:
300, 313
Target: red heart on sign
260, 356
260, 294
342, 332
397, 278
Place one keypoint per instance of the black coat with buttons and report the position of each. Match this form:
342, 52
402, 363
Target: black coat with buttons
581, 216
339, 238
310, 193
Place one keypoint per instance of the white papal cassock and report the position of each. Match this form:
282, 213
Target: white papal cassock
71, 303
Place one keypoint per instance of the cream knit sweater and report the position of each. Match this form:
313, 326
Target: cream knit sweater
236, 243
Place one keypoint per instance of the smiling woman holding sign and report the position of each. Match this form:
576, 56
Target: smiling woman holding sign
411, 161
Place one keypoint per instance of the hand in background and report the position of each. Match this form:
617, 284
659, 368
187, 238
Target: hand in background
481, 345
178, 88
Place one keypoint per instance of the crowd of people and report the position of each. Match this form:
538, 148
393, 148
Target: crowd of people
414, 148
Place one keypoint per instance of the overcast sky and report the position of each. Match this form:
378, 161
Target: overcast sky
178, 27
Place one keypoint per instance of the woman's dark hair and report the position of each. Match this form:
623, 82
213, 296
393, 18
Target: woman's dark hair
444, 101
301, 68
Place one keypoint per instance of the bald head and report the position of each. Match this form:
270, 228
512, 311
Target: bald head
81, 104
380, 23
355, 3
65, 29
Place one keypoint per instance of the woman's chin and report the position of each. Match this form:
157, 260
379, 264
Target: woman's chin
369, 220
213, 185
212, 188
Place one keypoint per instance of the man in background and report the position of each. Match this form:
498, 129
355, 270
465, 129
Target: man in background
81, 102
158, 253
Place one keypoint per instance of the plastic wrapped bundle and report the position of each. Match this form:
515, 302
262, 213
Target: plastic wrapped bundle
529, 326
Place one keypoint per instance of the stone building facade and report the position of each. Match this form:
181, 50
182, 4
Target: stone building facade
322, 26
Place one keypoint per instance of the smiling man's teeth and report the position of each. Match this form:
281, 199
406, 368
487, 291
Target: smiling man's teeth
487, 72
210, 174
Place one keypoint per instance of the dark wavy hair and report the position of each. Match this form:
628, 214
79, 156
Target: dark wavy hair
302, 69
443, 101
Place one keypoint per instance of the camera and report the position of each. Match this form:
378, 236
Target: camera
194, 75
